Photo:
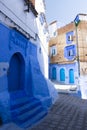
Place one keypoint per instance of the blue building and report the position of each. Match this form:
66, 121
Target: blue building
23, 86
25, 93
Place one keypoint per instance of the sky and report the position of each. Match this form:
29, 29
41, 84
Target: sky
64, 11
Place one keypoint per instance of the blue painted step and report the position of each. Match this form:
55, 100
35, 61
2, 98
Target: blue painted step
27, 111
19, 102
30, 122
23, 107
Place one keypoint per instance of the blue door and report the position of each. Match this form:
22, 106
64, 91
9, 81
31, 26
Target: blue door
71, 76
16, 73
54, 73
62, 74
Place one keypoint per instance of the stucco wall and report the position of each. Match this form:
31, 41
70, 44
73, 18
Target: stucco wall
20, 71
67, 68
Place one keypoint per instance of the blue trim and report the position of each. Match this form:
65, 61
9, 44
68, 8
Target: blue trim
67, 50
68, 35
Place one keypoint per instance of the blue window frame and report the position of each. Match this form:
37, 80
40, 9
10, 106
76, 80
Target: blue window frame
70, 52
69, 37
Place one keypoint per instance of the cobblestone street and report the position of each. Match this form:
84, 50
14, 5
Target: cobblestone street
68, 113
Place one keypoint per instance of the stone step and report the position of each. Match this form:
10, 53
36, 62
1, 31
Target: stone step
17, 103
24, 108
27, 111
35, 119
29, 114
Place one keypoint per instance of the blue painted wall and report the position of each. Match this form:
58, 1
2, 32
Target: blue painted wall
70, 52
20, 72
67, 77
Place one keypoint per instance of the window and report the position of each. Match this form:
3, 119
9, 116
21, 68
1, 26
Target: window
53, 50
70, 38
42, 18
70, 53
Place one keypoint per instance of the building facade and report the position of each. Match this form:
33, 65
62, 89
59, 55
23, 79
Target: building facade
68, 60
25, 91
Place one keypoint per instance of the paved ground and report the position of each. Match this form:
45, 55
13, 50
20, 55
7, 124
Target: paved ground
68, 113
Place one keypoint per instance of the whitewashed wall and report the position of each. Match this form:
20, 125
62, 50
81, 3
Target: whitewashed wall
14, 9
53, 29
43, 56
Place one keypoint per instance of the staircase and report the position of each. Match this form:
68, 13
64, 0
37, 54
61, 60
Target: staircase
26, 111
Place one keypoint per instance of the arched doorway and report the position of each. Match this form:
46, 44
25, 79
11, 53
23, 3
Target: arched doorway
62, 74
16, 73
71, 76
54, 73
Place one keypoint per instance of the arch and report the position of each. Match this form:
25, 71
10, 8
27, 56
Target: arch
54, 73
62, 74
71, 76
16, 73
